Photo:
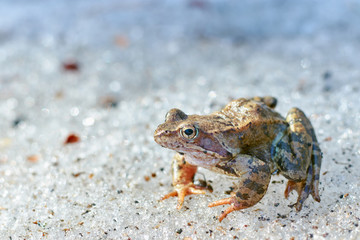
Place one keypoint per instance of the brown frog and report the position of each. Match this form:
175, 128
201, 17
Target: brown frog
247, 139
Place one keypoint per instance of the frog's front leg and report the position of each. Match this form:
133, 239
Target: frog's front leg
254, 176
183, 180
298, 156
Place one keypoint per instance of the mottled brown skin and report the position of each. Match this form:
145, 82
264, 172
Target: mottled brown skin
247, 139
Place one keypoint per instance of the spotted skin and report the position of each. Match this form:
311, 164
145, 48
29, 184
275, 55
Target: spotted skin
298, 156
248, 140
254, 177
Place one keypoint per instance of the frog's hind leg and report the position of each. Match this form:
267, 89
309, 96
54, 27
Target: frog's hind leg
298, 156
268, 101
254, 177
316, 161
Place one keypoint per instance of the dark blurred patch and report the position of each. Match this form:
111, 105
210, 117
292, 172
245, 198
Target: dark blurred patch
71, 66
122, 41
109, 102
72, 138
59, 94
17, 121
327, 76
200, 4
327, 139
77, 174
228, 192
33, 158
204, 184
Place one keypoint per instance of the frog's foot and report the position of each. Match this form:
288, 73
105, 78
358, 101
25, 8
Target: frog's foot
235, 205
292, 185
299, 188
267, 100
303, 188
184, 190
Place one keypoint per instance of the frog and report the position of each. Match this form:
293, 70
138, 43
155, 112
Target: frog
246, 140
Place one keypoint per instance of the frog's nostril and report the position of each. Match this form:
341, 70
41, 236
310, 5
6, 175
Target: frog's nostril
167, 131
161, 132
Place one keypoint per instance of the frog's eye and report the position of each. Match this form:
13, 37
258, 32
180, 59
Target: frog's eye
189, 132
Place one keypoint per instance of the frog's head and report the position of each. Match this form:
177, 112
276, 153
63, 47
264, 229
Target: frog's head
195, 135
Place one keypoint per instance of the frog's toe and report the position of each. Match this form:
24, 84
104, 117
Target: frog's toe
315, 190
188, 190
315, 195
235, 205
169, 195
224, 201
297, 205
182, 191
227, 211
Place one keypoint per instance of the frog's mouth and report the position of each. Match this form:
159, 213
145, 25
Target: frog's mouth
199, 152
171, 145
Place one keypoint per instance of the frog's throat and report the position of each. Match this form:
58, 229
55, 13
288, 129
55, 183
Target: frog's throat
200, 160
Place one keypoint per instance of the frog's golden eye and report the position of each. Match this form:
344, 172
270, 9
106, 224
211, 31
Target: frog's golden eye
189, 132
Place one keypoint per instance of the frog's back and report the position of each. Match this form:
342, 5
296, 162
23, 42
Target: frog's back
243, 111
253, 121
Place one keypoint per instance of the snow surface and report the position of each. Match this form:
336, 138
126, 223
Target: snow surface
136, 60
